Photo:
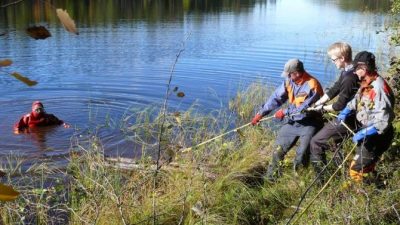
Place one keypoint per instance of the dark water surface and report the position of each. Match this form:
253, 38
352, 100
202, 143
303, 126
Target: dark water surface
122, 58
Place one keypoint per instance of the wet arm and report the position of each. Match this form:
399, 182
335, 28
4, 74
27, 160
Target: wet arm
21, 124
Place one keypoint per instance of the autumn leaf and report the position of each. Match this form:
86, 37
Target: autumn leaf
23, 79
180, 94
5, 62
38, 32
68, 23
7, 193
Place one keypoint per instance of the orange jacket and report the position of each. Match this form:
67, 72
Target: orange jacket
300, 95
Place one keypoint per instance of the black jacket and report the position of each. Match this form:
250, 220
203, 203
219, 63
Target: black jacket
346, 87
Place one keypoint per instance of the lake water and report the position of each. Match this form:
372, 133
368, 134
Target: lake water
122, 58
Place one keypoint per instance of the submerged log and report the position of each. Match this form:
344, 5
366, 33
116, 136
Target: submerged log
132, 164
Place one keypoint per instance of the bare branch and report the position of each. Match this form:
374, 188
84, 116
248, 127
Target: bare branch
397, 213
163, 115
12, 3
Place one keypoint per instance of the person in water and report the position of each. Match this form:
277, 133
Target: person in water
37, 118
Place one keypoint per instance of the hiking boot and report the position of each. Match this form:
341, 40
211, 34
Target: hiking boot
273, 172
274, 168
319, 172
338, 158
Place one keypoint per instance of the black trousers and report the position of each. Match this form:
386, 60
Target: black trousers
332, 130
370, 150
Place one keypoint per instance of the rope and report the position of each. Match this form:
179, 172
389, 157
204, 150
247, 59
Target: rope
343, 123
326, 185
330, 178
221, 135
310, 186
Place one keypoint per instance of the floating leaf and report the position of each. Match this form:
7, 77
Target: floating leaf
5, 62
180, 94
39, 32
2, 174
175, 89
26, 80
7, 193
68, 23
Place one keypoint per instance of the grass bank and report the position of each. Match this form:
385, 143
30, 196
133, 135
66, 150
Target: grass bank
217, 183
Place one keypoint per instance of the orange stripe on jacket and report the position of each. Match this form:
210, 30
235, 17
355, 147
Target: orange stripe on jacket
308, 83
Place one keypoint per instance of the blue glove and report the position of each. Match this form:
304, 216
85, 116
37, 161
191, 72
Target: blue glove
360, 135
343, 114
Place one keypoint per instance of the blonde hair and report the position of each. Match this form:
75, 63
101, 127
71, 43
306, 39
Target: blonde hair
341, 49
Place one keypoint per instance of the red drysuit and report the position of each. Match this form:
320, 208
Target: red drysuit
38, 117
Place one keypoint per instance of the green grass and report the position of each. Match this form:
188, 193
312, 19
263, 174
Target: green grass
217, 183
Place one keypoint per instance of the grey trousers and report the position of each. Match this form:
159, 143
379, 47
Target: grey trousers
292, 132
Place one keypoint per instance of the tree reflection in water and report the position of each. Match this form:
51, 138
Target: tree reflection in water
94, 13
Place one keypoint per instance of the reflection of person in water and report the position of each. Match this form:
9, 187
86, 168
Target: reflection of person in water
37, 118
39, 135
